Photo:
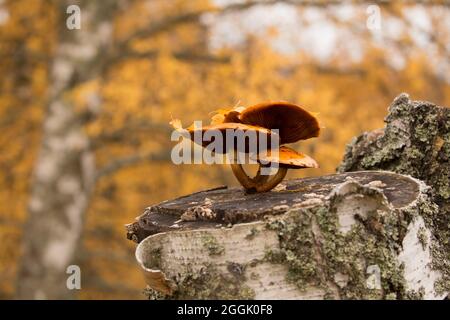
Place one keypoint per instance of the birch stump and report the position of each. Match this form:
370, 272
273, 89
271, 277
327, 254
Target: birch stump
361, 235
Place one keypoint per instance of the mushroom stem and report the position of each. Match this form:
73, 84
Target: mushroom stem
259, 178
247, 182
268, 185
260, 183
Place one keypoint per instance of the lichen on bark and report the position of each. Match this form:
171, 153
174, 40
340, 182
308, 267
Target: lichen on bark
315, 249
210, 283
212, 245
416, 142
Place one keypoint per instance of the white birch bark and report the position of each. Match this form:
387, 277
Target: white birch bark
64, 171
365, 235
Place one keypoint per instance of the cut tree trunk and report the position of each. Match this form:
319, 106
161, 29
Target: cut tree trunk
347, 236
355, 235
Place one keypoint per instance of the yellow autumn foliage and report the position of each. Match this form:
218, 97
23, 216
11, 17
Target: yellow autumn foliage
139, 91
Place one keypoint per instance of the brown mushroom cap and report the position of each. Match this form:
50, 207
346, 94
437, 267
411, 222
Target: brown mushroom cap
294, 122
223, 127
289, 158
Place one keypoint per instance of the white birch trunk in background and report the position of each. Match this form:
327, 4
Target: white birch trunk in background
64, 170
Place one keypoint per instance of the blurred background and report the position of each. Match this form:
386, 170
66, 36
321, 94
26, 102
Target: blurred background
85, 105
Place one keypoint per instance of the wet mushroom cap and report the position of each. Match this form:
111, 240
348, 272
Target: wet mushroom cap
288, 158
294, 122
233, 128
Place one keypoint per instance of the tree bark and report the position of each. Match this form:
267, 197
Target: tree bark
64, 170
348, 236
415, 142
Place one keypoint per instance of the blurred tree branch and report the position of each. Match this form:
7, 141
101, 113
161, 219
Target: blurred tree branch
184, 55
124, 132
127, 161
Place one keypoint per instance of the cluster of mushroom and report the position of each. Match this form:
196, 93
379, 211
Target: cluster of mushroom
293, 124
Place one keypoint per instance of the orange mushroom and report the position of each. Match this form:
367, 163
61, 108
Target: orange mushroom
222, 128
286, 158
294, 124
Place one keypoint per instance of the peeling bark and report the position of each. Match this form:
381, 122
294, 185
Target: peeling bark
346, 236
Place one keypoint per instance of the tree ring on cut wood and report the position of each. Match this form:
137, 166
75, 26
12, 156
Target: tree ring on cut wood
232, 205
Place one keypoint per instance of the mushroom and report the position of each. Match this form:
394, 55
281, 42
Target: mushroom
294, 124
286, 158
222, 128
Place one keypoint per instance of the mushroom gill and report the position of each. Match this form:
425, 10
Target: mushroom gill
224, 128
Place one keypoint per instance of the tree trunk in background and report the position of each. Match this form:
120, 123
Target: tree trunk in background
64, 172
